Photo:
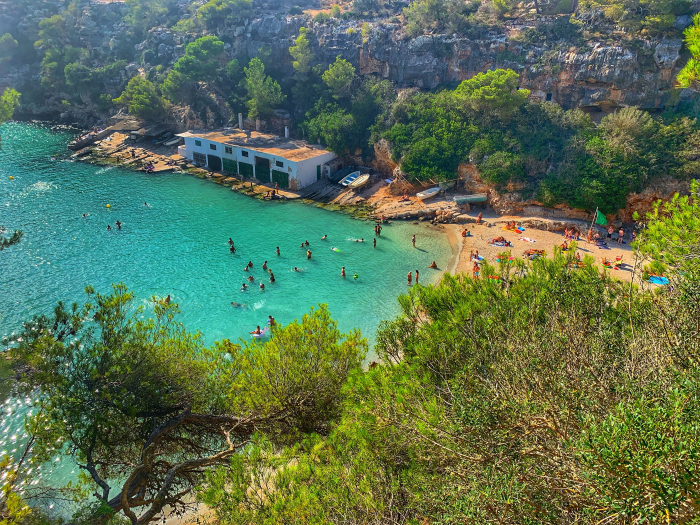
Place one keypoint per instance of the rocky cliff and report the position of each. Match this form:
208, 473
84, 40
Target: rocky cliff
599, 72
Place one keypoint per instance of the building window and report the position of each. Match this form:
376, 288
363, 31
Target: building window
197, 142
228, 150
549, 97
279, 164
244, 153
212, 146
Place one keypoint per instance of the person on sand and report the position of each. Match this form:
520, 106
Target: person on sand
308, 254
433, 265
475, 271
342, 271
589, 236
409, 277
416, 276
262, 286
464, 232
374, 242
413, 241
271, 320
478, 218
277, 251
324, 237
620, 236
610, 232
265, 265
476, 255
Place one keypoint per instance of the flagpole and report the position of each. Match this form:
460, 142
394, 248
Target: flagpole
595, 216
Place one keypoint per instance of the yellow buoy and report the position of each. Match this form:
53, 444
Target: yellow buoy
11, 177
108, 206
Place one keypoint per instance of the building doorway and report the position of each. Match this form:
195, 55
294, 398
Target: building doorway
214, 162
262, 169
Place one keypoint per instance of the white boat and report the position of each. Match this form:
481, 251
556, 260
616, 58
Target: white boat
359, 181
427, 194
350, 178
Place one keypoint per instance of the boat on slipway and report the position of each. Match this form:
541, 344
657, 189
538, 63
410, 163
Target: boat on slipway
350, 178
359, 181
428, 194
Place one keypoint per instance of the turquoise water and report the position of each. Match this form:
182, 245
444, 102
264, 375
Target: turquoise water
177, 245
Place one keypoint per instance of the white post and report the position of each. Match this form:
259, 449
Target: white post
286, 132
240, 121
257, 124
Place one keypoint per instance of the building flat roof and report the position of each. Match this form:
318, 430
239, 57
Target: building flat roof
293, 150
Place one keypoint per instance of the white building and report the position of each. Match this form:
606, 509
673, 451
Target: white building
292, 164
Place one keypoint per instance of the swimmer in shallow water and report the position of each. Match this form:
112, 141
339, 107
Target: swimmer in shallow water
251, 278
308, 254
265, 265
84, 215
233, 250
257, 331
324, 237
306, 243
262, 286
109, 227
119, 225
278, 251
244, 287
271, 320
272, 277
433, 265
238, 305
355, 276
296, 269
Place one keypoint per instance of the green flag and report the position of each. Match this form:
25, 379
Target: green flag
600, 218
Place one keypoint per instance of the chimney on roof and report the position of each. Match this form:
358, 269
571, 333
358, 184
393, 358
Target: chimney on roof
240, 121
257, 124
286, 132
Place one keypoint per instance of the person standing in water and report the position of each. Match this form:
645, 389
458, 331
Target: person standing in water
374, 242
306, 242
413, 240
342, 271
232, 249
272, 277
262, 286
308, 254
250, 264
265, 265
270, 320
324, 237
409, 277
277, 251
167, 299
416, 276
230, 241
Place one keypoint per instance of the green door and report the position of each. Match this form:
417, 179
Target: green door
281, 178
318, 172
230, 167
246, 169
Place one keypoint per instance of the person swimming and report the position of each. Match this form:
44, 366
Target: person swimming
355, 276
301, 245
119, 225
262, 286
250, 264
238, 305
324, 237
244, 287
84, 215
251, 278
245, 268
109, 227
145, 204
296, 269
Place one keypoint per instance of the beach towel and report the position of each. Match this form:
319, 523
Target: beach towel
477, 258
655, 279
527, 239
520, 229
497, 244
